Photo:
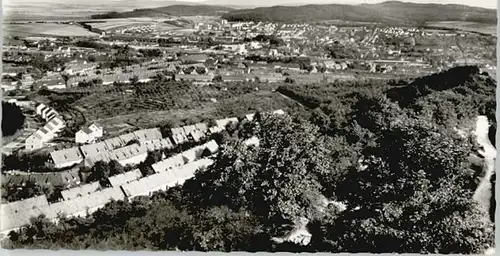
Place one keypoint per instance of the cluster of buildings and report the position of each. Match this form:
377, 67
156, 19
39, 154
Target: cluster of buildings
54, 124
227, 42
78, 198
85, 199
131, 148
145, 29
62, 179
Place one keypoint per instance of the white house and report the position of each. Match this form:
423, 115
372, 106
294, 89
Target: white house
45, 134
35, 141
88, 134
40, 108
46, 112
55, 125
50, 114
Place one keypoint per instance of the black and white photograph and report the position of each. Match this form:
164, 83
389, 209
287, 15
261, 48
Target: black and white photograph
299, 126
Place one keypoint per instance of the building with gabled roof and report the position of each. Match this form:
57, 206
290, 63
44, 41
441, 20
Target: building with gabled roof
188, 171
39, 108
114, 143
36, 140
224, 122
177, 130
249, 117
169, 163
44, 134
45, 111
212, 146
192, 154
128, 137
203, 127
196, 135
66, 157
188, 129
179, 138
157, 144
57, 123
145, 186
68, 178
104, 156
18, 213
148, 134
85, 204
63, 179
94, 149
132, 154
89, 134
215, 129
83, 190
51, 114
21, 205
163, 179
124, 178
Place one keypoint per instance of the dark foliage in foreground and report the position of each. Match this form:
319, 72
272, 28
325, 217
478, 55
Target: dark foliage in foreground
403, 174
12, 118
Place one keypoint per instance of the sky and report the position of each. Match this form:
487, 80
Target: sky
478, 3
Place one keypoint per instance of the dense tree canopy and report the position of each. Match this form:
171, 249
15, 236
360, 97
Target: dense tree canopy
414, 194
396, 163
279, 179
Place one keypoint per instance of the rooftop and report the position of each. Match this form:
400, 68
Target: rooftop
62, 157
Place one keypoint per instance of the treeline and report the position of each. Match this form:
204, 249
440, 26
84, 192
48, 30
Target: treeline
446, 98
452, 95
173, 10
121, 15
393, 13
304, 62
91, 44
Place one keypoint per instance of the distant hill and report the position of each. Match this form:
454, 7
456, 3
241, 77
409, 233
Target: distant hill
392, 12
172, 10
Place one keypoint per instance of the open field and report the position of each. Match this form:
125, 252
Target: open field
123, 23
56, 10
155, 104
47, 29
466, 26
239, 106
113, 25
